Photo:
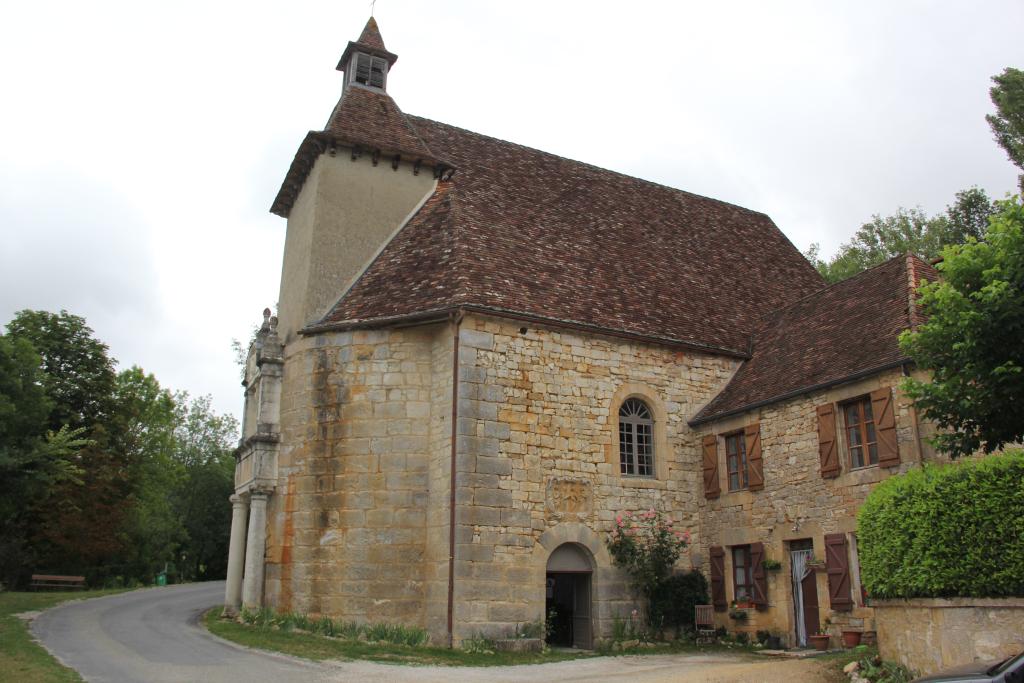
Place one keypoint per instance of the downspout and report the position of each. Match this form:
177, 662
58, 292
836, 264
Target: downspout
916, 422
456, 321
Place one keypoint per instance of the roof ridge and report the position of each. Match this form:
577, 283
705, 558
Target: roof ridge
595, 167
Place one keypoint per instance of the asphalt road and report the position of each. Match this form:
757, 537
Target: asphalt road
154, 636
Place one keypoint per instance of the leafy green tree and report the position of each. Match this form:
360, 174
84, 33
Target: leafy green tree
79, 374
33, 460
205, 444
145, 417
1008, 122
908, 230
971, 340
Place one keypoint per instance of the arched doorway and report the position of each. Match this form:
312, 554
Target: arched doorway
568, 596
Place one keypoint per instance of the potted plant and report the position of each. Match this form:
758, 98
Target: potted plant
771, 565
819, 640
851, 638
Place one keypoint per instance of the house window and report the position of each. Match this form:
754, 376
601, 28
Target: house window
742, 574
860, 433
736, 461
636, 439
370, 70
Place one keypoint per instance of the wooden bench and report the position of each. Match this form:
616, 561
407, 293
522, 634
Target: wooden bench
52, 581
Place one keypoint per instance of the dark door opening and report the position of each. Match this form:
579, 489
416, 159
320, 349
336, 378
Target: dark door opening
568, 606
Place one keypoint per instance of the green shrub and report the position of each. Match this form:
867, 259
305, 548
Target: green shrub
946, 531
478, 644
397, 634
674, 599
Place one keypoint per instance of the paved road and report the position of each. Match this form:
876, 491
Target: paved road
153, 636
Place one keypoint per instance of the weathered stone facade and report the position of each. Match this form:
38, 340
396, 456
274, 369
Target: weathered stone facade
798, 504
422, 447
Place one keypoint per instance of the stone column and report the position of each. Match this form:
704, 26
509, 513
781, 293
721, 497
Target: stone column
255, 547
236, 555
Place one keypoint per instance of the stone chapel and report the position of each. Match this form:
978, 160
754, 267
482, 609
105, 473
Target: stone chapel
484, 353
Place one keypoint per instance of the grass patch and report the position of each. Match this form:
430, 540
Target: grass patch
397, 644
21, 658
314, 646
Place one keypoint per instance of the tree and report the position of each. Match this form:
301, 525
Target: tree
1008, 122
971, 340
79, 374
33, 460
908, 230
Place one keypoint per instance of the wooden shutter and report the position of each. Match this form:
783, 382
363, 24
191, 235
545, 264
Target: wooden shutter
717, 553
884, 412
760, 577
827, 448
837, 564
755, 467
711, 487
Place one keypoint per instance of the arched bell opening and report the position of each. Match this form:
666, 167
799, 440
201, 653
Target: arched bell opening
569, 596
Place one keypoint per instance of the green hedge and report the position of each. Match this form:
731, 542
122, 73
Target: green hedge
946, 531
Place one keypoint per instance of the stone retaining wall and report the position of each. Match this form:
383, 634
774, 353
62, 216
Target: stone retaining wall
928, 635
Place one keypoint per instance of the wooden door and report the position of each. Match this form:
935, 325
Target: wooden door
809, 587
581, 631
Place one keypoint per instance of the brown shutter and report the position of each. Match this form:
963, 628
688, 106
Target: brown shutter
837, 564
755, 467
760, 578
717, 553
885, 427
827, 449
711, 487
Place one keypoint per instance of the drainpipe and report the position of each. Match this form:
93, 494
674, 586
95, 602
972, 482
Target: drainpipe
916, 422
456, 321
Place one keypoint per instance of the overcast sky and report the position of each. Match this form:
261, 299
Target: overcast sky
142, 143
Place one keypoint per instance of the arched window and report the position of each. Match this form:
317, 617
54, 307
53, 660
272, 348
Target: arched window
636, 439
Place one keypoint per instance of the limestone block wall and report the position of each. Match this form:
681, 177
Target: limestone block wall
927, 635
363, 429
797, 502
538, 459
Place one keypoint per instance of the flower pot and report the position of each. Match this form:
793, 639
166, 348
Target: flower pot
851, 639
819, 642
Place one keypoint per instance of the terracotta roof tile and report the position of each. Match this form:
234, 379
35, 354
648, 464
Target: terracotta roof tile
847, 329
539, 235
371, 36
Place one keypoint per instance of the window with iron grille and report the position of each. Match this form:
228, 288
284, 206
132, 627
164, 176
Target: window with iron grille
860, 432
742, 574
736, 461
636, 439
370, 70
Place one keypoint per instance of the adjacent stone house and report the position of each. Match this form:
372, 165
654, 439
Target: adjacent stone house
486, 352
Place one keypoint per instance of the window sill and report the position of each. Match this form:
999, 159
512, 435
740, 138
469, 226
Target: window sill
632, 481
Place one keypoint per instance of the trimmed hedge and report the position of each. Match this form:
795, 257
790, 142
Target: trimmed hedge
946, 531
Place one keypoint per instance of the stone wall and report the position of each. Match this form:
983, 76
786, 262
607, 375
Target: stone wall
927, 635
363, 433
797, 503
538, 460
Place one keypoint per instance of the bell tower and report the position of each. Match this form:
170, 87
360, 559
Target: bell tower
366, 61
351, 187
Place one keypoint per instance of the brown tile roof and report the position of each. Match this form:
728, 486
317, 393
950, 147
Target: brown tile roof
839, 333
371, 35
524, 232
365, 118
